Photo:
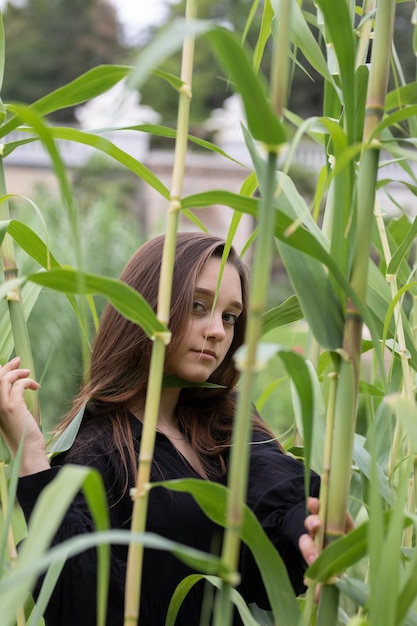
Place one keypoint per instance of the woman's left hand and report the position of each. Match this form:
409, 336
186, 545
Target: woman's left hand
312, 524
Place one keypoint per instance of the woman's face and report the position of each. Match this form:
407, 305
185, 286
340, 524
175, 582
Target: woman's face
209, 331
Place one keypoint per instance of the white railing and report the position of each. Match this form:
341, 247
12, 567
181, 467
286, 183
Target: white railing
135, 143
73, 154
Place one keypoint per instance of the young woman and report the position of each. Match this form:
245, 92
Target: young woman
193, 440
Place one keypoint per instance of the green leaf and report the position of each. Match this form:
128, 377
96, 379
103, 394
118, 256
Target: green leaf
408, 594
338, 25
171, 79
89, 85
303, 38
123, 297
342, 553
52, 505
32, 244
264, 30
106, 146
65, 439
407, 412
286, 313
390, 312
401, 96
212, 497
175, 382
313, 287
364, 462
402, 249
262, 122
187, 583
300, 375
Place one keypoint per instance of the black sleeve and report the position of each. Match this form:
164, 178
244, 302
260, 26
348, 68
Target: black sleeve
276, 495
74, 598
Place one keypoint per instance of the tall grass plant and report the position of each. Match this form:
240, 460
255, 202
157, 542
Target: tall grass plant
351, 266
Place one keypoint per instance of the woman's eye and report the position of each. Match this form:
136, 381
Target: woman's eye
198, 307
230, 318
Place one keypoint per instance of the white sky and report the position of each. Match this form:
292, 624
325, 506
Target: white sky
134, 15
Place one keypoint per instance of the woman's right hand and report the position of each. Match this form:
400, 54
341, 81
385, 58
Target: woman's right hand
16, 421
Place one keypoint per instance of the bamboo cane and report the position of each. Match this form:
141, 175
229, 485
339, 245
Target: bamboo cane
347, 391
408, 388
248, 366
15, 304
140, 493
365, 31
22, 349
11, 542
239, 458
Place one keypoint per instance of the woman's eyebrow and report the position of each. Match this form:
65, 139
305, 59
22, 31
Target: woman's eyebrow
208, 292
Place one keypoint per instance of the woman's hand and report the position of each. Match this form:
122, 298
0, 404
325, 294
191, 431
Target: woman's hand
312, 524
16, 421
306, 542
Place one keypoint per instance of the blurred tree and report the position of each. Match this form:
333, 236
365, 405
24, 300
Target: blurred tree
210, 87
51, 42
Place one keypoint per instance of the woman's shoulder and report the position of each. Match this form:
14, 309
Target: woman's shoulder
95, 437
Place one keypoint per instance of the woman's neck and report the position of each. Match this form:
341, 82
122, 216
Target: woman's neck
166, 415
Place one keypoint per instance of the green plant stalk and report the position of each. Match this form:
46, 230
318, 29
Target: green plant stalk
392, 280
239, 458
341, 453
347, 391
151, 411
327, 453
15, 304
11, 543
262, 263
280, 66
405, 367
329, 604
345, 418
364, 32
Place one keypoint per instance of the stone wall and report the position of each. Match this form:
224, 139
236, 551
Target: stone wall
29, 165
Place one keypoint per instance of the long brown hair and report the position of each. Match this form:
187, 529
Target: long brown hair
122, 351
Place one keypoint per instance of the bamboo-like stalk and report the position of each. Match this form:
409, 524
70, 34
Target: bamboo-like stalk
15, 304
11, 542
347, 392
347, 389
365, 32
22, 349
280, 65
408, 389
151, 411
239, 458
248, 366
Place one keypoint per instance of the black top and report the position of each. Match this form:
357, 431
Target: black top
275, 494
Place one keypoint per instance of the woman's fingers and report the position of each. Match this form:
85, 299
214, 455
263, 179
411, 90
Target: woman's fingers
313, 504
312, 524
308, 548
16, 420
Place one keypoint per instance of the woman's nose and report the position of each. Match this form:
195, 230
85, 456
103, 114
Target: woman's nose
215, 328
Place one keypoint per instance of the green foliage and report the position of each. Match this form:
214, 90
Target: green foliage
345, 273
110, 233
50, 42
210, 87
